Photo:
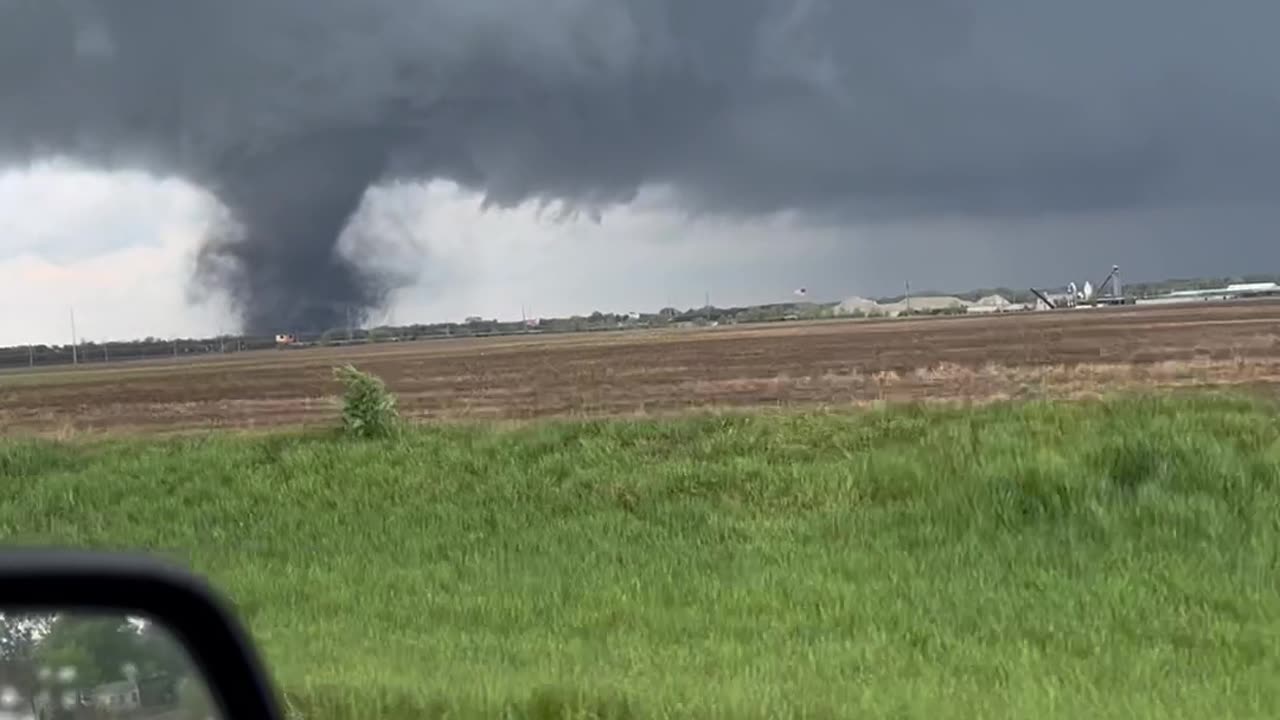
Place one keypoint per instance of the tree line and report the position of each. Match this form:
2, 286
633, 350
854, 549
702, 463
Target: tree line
90, 353
95, 353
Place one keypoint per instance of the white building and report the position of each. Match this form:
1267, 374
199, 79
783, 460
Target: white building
117, 696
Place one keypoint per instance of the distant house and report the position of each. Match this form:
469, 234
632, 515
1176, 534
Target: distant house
123, 698
115, 697
926, 305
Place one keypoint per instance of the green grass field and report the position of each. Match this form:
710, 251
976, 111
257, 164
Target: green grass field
1104, 560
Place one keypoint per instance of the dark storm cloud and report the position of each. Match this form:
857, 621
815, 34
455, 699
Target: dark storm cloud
882, 109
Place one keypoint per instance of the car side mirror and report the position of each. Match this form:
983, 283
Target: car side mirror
86, 635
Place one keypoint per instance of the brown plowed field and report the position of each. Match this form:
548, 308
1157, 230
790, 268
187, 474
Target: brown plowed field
831, 364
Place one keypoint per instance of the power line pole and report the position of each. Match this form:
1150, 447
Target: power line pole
31, 356
908, 296
75, 359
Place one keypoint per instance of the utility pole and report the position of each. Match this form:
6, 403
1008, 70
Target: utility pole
175, 349
908, 296
706, 300
75, 359
31, 356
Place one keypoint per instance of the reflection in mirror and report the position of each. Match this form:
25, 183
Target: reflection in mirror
80, 666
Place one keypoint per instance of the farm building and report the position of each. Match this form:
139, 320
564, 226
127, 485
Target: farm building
855, 305
1230, 292
995, 304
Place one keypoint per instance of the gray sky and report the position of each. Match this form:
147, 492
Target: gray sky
218, 159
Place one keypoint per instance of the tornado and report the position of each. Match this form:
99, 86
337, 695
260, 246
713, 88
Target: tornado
279, 262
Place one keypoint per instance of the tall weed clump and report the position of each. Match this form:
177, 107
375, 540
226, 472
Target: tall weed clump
368, 407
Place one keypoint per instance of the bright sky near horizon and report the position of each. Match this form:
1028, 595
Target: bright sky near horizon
119, 248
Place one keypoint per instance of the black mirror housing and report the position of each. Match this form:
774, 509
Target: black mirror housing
125, 583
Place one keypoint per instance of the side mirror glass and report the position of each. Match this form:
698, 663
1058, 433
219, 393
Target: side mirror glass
77, 665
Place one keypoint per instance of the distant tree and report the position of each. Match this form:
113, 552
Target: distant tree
19, 662
195, 700
106, 649
99, 649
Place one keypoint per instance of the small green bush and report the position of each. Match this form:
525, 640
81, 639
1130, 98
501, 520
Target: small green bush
368, 407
